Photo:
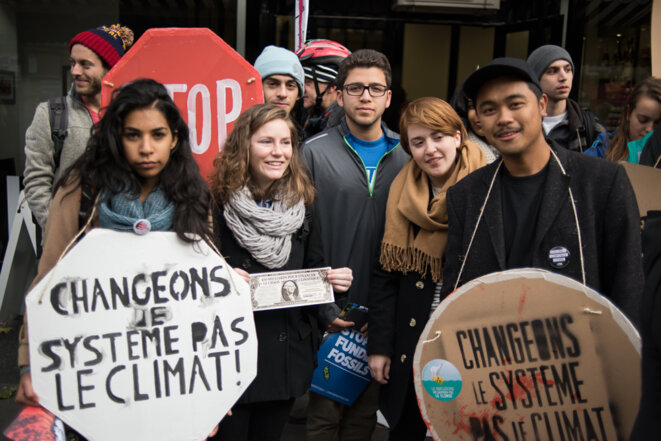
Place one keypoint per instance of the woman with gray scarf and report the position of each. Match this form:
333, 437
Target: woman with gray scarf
263, 221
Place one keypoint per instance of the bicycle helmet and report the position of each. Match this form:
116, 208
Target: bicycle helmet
321, 60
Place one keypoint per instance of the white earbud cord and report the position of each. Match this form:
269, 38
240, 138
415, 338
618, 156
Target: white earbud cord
477, 224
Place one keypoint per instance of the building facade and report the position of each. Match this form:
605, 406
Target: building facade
432, 44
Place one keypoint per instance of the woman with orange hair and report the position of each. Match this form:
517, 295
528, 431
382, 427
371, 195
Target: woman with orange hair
405, 290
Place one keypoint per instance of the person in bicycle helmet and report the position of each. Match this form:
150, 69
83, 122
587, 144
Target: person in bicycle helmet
321, 60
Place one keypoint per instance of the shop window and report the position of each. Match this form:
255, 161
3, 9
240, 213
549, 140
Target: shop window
616, 55
516, 44
422, 74
475, 50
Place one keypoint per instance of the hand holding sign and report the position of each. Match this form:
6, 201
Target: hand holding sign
25, 393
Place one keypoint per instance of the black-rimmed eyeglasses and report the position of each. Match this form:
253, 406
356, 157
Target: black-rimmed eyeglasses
357, 89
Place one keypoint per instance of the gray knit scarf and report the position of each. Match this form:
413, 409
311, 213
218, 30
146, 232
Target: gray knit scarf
264, 232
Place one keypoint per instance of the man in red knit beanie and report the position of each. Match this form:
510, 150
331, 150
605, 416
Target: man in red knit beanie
61, 126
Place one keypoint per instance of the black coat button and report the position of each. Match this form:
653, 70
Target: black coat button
282, 336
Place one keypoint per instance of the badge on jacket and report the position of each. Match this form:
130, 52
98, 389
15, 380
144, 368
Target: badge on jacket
559, 257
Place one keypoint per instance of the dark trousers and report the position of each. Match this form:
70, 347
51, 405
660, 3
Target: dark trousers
262, 421
329, 420
410, 426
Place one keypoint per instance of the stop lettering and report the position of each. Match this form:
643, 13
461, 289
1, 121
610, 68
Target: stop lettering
210, 83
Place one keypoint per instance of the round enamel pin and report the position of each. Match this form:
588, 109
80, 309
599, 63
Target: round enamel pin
559, 257
142, 227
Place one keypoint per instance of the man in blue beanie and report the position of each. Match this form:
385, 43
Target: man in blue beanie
282, 76
565, 122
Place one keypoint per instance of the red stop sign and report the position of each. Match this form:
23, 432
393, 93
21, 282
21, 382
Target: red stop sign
208, 80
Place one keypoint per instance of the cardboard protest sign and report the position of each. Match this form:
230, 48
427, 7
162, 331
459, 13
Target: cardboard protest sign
342, 371
528, 354
210, 82
646, 182
141, 337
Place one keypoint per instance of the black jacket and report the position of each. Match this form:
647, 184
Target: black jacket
399, 308
607, 214
319, 122
651, 154
649, 413
351, 214
579, 131
288, 338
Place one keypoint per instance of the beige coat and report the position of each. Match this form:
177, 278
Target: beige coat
40, 173
61, 228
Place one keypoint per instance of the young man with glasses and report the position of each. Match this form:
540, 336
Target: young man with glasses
352, 166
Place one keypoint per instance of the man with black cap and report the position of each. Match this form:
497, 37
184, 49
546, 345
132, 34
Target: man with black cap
566, 123
53, 144
540, 206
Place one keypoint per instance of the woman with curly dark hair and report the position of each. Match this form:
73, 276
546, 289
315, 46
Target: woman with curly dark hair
108, 166
263, 222
137, 173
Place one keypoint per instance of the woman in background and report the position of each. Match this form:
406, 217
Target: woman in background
641, 113
465, 108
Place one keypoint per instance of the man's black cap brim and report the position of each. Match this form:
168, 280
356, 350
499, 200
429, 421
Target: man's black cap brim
498, 67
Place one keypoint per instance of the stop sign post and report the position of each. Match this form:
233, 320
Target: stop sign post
210, 82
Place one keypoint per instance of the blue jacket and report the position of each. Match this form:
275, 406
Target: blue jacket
600, 145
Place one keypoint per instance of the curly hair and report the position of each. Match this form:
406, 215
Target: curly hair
430, 112
103, 165
232, 165
618, 149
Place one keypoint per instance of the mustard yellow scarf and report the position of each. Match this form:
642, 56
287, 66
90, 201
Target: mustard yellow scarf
408, 205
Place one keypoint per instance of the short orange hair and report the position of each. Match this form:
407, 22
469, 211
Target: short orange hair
433, 113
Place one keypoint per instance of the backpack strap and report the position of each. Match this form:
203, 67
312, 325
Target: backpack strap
588, 122
58, 122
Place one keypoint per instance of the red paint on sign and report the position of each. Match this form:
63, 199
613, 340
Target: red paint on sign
522, 302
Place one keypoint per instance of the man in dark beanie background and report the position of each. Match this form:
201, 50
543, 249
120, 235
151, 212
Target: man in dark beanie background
568, 124
61, 126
